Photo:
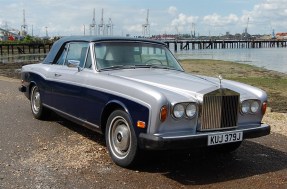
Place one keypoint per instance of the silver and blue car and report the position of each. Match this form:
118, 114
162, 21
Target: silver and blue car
136, 93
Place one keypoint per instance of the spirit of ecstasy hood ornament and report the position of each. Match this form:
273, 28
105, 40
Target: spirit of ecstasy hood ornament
220, 79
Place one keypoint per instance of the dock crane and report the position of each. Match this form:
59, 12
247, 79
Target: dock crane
246, 29
93, 24
101, 25
146, 26
24, 27
109, 27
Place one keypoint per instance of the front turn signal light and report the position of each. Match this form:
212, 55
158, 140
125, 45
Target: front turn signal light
264, 107
141, 124
163, 113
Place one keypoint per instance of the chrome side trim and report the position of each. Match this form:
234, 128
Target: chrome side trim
79, 121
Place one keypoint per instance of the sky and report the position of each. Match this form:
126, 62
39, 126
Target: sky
205, 17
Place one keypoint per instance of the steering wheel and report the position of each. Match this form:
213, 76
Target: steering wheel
156, 60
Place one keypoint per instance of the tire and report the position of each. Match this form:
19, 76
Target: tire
38, 111
121, 140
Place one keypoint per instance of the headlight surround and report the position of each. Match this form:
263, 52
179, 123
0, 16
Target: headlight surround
250, 106
245, 107
190, 110
178, 111
254, 107
184, 109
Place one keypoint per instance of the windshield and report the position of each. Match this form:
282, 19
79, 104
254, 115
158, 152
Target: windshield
125, 55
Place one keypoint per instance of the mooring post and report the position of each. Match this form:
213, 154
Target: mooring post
167, 44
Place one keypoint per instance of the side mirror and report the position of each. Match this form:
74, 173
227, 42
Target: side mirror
73, 63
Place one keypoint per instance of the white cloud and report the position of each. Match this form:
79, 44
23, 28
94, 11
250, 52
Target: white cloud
172, 10
182, 23
268, 15
183, 19
220, 21
133, 28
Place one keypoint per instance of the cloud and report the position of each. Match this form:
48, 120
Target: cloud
172, 10
220, 21
271, 14
137, 28
183, 19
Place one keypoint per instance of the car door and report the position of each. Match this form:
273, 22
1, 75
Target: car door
68, 78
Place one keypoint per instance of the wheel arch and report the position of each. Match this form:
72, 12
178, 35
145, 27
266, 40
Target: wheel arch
31, 85
109, 108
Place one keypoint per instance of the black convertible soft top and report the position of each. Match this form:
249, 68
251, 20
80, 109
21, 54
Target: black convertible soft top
59, 44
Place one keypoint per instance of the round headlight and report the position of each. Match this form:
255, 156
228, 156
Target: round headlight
245, 107
190, 110
178, 111
254, 106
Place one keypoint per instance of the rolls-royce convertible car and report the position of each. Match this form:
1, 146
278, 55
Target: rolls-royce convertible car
136, 93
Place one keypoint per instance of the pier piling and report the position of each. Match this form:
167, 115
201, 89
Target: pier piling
224, 44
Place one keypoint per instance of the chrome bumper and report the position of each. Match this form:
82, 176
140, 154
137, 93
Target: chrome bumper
153, 142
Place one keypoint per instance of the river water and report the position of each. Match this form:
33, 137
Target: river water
269, 58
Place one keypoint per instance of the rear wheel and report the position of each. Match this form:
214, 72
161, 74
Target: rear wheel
121, 139
38, 111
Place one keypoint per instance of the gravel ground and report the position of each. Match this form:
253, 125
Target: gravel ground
278, 121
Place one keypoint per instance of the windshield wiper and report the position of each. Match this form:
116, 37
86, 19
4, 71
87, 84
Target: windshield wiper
118, 67
153, 66
160, 66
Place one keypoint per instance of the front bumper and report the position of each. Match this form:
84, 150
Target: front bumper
154, 142
22, 89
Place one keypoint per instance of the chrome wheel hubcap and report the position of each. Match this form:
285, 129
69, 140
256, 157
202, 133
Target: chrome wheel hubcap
119, 137
36, 101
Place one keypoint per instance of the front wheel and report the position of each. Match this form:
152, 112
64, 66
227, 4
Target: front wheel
121, 139
38, 111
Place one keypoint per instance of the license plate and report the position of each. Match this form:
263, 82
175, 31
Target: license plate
224, 138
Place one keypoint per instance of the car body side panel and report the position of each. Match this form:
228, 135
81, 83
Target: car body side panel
84, 103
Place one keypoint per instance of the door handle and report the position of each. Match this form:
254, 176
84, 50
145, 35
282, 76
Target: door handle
57, 75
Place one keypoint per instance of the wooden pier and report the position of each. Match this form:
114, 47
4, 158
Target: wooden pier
30, 48
41, 48
224, 44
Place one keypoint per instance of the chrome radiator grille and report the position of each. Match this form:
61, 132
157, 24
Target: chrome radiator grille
219, 110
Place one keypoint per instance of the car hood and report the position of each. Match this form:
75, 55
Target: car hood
172, 82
